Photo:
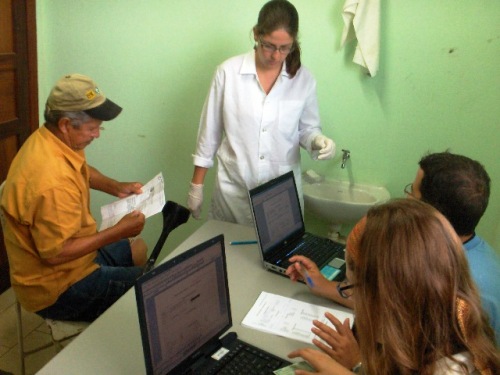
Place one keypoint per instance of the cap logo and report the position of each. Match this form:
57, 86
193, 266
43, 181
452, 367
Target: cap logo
90, 94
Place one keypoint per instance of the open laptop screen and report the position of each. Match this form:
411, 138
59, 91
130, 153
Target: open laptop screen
277, 212
183, 304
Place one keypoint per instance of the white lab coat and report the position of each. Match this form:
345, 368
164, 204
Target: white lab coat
257, 137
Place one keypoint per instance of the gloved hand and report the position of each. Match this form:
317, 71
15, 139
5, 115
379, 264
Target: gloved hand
325, 146
195, 199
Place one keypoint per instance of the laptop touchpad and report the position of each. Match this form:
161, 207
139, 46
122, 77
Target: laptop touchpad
337, 263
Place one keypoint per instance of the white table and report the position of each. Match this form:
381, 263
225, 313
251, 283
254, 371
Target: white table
112, 344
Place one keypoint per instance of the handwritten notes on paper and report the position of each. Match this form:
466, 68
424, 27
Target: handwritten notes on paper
290, 318
150, 202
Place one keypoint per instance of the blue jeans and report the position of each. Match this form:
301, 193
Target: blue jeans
90, 297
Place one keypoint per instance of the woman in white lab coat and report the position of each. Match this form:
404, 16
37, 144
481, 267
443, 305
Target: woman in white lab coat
261, 108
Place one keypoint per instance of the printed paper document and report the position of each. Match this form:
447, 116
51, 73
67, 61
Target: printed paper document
290, 318
150, 202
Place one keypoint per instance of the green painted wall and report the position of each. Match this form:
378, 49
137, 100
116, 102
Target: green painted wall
437, 87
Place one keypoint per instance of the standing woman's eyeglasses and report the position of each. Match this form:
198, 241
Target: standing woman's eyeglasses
271, 48
345, 289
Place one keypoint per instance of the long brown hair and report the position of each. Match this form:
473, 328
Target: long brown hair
410, 274
281, 14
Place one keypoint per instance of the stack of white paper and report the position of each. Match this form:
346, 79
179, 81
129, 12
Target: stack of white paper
290, 318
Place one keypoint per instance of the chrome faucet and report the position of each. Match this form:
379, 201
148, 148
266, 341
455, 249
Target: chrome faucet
346, 154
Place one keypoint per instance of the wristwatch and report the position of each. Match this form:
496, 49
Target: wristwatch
356, 369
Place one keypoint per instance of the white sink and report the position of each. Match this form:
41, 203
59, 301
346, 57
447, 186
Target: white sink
341, 202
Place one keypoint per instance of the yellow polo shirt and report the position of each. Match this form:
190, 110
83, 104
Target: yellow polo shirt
46, 202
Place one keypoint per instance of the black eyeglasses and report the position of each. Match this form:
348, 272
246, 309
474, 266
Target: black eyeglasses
345, 289
271, 48
409, 189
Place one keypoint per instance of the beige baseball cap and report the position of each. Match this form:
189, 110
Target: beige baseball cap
77, 92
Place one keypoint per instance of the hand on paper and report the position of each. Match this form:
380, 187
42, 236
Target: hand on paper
341, 344
127, 188
323, 364
98, 181
131, 225
325, 146
150, 202
195, 199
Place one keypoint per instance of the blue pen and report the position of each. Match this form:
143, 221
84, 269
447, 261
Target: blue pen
250, 242
308, 278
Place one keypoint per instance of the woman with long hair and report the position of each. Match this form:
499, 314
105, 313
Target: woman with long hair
417, 309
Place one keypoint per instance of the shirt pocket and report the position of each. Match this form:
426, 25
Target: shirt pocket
290, 112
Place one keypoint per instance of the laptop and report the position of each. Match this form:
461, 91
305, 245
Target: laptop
184, 308
281, 231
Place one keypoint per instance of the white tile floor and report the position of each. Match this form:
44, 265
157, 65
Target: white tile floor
36, 334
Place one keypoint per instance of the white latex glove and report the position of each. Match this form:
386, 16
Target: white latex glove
325, 146
195, 199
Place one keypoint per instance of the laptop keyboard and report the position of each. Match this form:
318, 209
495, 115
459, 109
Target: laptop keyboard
246, 359
317, 248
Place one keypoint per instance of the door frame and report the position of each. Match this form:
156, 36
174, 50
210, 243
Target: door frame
25, 91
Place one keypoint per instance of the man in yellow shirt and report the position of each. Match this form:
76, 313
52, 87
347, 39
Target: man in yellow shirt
61, 267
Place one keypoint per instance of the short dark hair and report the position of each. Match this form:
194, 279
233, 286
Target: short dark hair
281, 14
457, 186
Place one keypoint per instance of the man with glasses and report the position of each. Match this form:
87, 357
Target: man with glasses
61, 267
459, 188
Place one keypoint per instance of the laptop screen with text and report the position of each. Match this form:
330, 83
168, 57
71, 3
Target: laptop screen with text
183, 305
277, 212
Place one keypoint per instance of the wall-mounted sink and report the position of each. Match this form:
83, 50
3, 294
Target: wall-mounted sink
341, 202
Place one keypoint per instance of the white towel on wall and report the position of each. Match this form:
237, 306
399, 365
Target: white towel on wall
362, 22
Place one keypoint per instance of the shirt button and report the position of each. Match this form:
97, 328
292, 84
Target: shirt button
262, 158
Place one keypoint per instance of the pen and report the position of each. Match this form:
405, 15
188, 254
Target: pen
308, 278
250, 242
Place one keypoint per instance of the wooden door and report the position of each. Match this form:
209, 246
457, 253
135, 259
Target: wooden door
18, 91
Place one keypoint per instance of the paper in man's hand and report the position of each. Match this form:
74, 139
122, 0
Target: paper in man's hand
150, 202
